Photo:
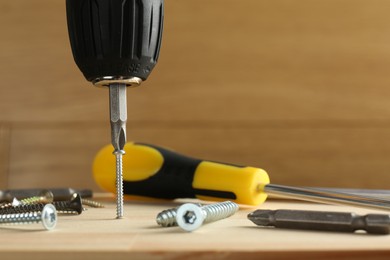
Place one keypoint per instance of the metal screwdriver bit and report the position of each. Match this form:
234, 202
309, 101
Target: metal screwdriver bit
118, 115
118, 118
115, 44
322, 220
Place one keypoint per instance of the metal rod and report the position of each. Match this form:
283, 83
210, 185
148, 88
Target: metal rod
118, 118
327, 197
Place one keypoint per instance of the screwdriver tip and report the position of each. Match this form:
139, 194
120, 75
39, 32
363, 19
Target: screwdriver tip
262, 217
118, 115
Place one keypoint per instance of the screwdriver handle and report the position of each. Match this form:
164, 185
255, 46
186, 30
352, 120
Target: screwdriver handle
115, 38
152, 171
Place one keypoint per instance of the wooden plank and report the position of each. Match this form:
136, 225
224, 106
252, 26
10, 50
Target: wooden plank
251, 60
4, 154
59, 155
95, 233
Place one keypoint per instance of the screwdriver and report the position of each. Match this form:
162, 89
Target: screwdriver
152, 171
116, 44
322, 220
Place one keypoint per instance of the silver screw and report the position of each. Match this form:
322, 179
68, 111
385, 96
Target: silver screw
48, 217
119, 183
167, 218
190, 217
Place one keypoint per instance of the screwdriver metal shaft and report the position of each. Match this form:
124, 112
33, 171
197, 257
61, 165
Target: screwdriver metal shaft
118, 118
322, 220
325, 196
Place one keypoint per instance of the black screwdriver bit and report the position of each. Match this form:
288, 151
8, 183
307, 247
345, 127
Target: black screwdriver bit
322, 220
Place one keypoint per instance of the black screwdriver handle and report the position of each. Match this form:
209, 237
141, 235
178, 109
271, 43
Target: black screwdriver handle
115, 38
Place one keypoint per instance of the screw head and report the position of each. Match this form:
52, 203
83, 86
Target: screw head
76, 203
49, 216
47, 196
189, 216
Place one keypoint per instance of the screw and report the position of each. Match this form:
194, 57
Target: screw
72, 206
45, 196
190, 217
167, 218
47, 216
92, 203
119, 183
15, 202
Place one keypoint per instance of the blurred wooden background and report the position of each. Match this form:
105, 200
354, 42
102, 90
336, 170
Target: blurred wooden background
299, 88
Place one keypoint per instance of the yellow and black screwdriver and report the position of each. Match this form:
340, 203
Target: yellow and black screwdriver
152, 171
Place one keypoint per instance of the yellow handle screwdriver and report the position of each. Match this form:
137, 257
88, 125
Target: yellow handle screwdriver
152, 171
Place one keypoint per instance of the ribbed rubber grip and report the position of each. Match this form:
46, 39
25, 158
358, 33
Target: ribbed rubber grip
115, 38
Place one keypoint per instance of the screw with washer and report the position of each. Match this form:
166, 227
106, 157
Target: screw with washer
47, 216
190, 217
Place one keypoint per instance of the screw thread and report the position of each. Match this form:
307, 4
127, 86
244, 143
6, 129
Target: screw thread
66, 207
25, 208
61, 206
31, 200
218, 211
119, 184
92, 203
6, 205
45, 196
15, 202
21, 218
167, 218
47, 216
73, 206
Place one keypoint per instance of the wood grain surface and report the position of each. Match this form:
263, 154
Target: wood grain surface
95, 234
4, 155
299, 88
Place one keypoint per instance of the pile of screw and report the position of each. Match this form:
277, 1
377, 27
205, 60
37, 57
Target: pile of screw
41, 209
191, 216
